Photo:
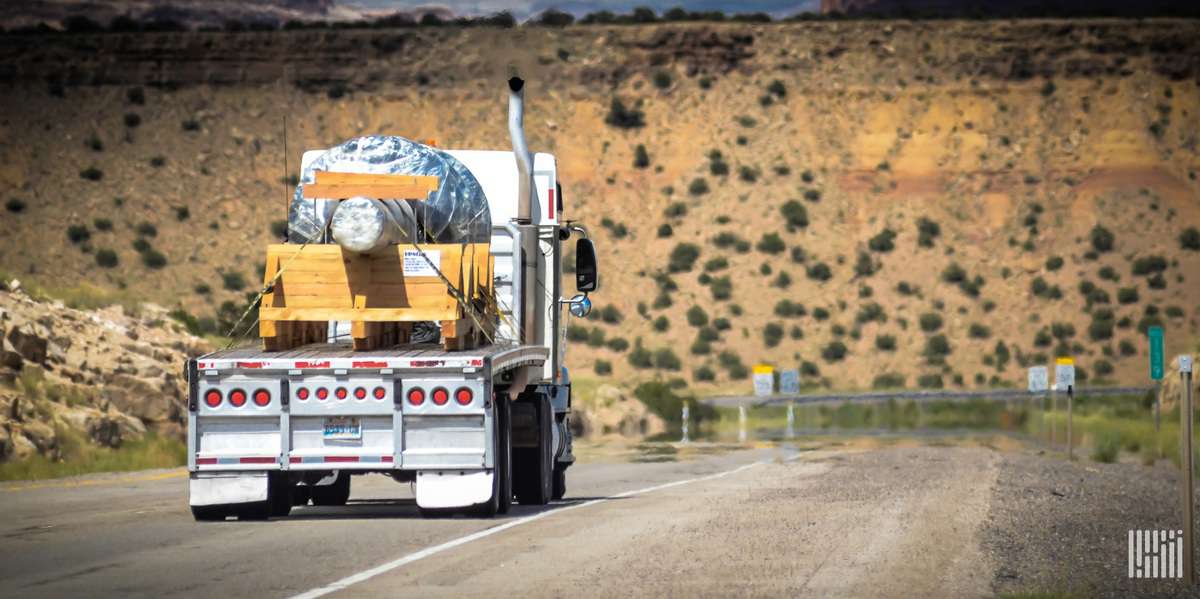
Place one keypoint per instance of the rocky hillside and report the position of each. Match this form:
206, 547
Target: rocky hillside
105, 375
881, 203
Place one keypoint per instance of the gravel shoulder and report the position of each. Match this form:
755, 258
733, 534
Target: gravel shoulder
1062, 527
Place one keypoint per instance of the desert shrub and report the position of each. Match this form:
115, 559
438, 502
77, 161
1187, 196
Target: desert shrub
617, 344
871, 312
609, 314
905, 288
716, 164
787, 309
865, 291
930, 322
93, 143
772, 334
1102, 239
15, 205
1174, 312
682, 257
132, 120
864, 266
1107, 447
930, 381
1127, 348
819, 272
696, 316
596, 337
937, 348
770, 243
797, 254
715, 264
661, 324
233, 281
640, 357
885, 342
622, 117
676, 210
721, 288
106, 258
726, 240
665, 230
834, 351
1062, 330
748, 174
820, 313
1157, 281
927, 232
978, 331
782, 170
78, 234
602, 367
721, 324
1040, 288
884, 241
1189, 239
182, 213
662, 79
954, 273
1127, 295
782, 280
91, 173
888, 380
1147, 265
704, 374
698, 186
812, 195
1042, 338
1101, 327
795, 215
1104, 368
146, 229
1054, 263
641, 159
153, 258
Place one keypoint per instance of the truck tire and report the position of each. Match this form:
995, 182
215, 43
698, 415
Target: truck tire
560, 482
209, 513
301, 494
501, 500
534, 466
335, 494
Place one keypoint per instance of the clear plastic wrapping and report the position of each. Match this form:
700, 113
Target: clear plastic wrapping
456, 213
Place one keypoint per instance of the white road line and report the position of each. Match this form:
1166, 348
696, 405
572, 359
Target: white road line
428, 551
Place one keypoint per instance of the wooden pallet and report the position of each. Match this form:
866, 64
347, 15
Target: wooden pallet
320, 283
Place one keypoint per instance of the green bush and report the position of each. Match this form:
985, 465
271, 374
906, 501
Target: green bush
820, 313
1101, 327
676, 210
797, 254
722, 288
888, 380
617, 344
78, 234
819, 272
795, 215
748, 174
683, 256
1127, 295
883, 242
661, 324
930, 322
885, 342
770, 243
665, 359
106, 258
937, 348
15, 205
640, 357
93, 143
1189, 239
930, 381
927, 232
1148, 265
978, 331
91, 173
834, 351
721, 324
622, 117
772, 334
864, 266
132, 119
782, 280
871, 312
704, 374
577, 333
715, 264
233, 281
665, 230
698, 187
1102, 239
641, 159
812, 195
1107, 447
1054, 263
602, 367
717, 165
154, 259
146, 229
596, 337
662, 79
696, 316
954, 273
787, 309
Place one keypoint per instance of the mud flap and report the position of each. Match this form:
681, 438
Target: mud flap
227, 488
436, 490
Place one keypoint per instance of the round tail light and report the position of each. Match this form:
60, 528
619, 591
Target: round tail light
322, 393
463, 396
212, 398
340, 393
416, 396
262, 397
237, 398
380, 392
441, 396
360, 393
302, 394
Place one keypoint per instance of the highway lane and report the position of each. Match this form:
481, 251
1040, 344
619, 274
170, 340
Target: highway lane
132, 534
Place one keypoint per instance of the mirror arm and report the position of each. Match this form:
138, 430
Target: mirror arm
574, 300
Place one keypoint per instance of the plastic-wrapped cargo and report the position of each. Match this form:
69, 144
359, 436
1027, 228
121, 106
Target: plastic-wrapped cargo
456, 213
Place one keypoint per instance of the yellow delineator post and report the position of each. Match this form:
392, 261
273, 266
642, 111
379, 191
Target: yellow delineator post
378, 293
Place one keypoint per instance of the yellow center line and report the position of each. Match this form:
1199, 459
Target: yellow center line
176, 473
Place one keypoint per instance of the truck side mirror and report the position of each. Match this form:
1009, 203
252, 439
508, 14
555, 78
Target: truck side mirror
586, 277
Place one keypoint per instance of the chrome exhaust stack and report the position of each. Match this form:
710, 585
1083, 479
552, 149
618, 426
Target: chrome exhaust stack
529, 232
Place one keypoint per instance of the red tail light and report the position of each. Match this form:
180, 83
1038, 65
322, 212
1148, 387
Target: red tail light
416, 396
463, 396
302, 394
360, 393
262, 397
340, 393
441, 396
237, 398
212, 398
380, 392
322, 393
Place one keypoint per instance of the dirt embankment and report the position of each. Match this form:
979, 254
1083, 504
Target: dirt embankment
106, 375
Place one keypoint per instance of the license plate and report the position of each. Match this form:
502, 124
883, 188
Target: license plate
343, 428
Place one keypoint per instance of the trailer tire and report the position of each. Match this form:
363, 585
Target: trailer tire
334, 494
258, 510
279, 494
301, 494
560, 482
210, 513
534, 472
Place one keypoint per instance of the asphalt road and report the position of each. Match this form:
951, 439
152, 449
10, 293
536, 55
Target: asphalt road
755, 521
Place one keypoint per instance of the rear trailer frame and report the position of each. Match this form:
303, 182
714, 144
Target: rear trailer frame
326, 409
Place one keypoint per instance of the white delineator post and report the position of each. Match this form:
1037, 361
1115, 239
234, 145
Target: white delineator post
1188, 465
742, 423
791, 420
685, 423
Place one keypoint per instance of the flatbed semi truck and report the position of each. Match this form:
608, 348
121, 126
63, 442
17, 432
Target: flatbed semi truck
472, 429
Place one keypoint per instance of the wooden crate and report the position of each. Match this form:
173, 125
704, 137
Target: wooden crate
321, 282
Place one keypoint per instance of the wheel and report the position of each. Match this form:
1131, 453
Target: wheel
335, 494
301, 494
534, 466
560, 482
259, 510
209, 513
501, 500
279, 494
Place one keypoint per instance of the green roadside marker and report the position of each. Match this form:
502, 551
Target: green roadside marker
1156, 352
